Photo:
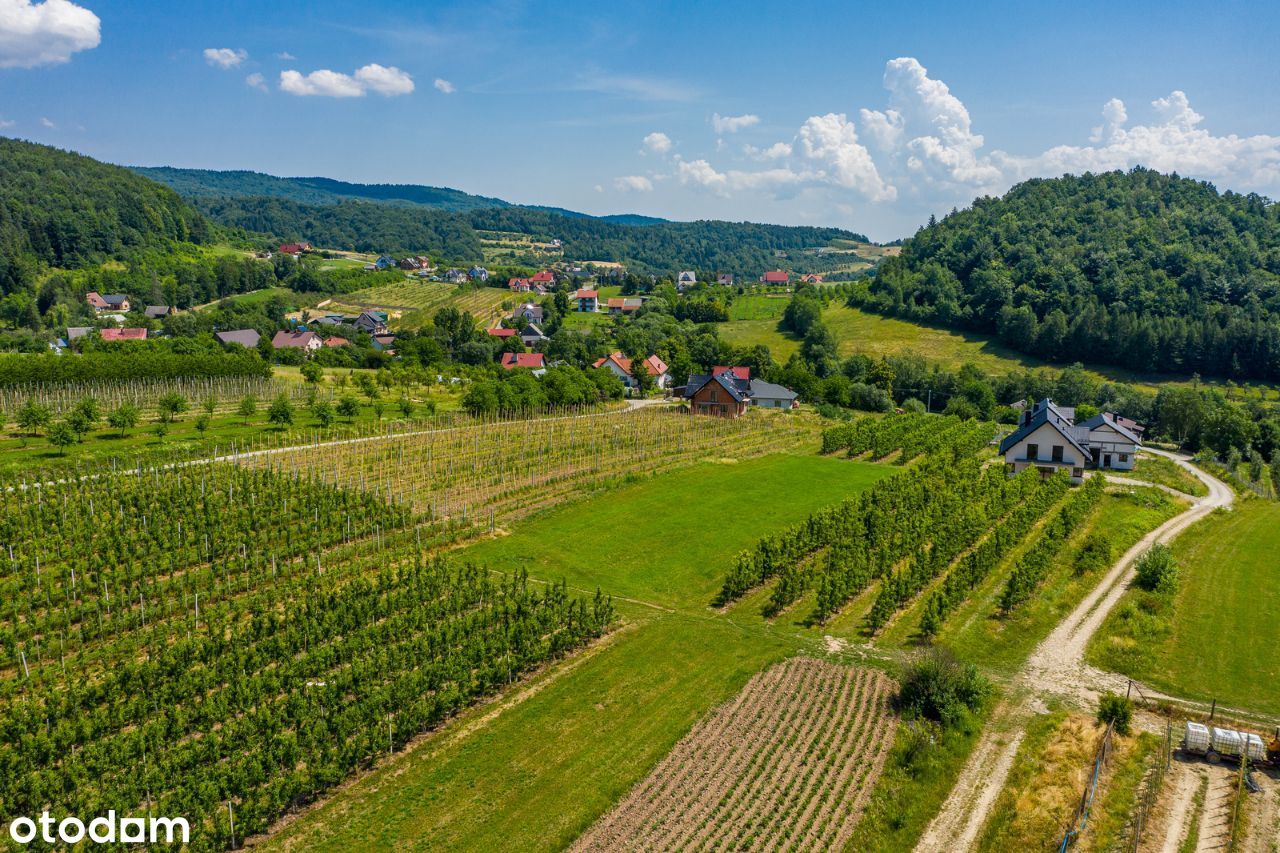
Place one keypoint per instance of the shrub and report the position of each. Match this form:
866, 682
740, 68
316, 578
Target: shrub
1157, 570
1117, 710
911, 404
1094, 554
938, 687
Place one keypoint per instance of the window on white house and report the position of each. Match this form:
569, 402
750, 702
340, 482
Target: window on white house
1057, 453
1124, 457
1033, 451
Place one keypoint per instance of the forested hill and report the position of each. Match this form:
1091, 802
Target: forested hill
660, 247
206, 183
67, 210
1138, 269
212, 184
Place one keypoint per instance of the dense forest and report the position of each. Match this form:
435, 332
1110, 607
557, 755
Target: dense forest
1149, 271
64, 210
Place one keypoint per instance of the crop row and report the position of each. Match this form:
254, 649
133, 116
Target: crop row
1033, 566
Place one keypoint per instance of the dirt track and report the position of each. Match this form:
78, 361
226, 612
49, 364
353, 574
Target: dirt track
1056, 668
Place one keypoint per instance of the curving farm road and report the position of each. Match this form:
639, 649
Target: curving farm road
1055, 669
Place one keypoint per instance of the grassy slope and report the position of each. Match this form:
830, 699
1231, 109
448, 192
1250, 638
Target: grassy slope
1222, 631
1165, 472
536, 775
670, 540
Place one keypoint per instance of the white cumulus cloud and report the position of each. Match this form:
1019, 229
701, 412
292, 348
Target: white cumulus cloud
225, 57
256, 81
733, 124
47, 33
388, 81
776, 151
633, 183
658, 143
831, 143
444, 85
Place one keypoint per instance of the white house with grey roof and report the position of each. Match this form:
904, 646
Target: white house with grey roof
1049, 440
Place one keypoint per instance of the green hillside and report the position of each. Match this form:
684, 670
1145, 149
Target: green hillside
1147, 271
66, 210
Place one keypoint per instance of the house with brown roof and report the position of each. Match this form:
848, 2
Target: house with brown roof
308, 341
110, 302
776, 277
113, 335
335, 342
500, 333
588, 301
622, 367
624, 304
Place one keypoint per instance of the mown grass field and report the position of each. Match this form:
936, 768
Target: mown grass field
569, 744
1217, 638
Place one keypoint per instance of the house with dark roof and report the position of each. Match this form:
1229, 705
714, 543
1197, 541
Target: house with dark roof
532, 335
723, 394
728, 391
1049, 440
372, 322
109, 302
531, 311
157, 312
247, 338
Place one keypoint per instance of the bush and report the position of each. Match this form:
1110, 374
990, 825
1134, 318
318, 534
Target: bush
911, 404
1094, 554
1157, 570
1117, 710
938, 687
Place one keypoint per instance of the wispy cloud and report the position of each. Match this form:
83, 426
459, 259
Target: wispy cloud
635, 87
48, 33
444, 85
286, 56
44, 122
256, 81
733, 124
633, 183
224, 57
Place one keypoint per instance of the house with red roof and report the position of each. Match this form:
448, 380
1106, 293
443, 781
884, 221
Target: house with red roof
535, 361
543, 277
776, 277
294, 248
588, 300
811, 278
501, 333
621, 366
123, 334
519, 285
308, 341
336, 341
624, 304
739, 372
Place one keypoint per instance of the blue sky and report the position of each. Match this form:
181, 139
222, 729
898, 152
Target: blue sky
865, 116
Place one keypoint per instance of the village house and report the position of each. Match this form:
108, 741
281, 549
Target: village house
725, 279
245, 337
535, 361
685, 280
157, 312
372, 322
501, 333
384, 343
775, 277
112, 335
624, 304
621, 366
530, 311
335, 342
729, 391
811, 278
110, 302
294, 248
455, 276
587, 300
384, 262
74, 333
308, 341
1048, 439
532, 335
478, 274
519, 285
543, 277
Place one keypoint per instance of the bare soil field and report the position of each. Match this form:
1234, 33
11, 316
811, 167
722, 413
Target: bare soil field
787, 763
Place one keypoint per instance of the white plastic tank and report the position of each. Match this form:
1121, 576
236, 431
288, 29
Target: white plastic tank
1256, 749
1227, 742
1196, 738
